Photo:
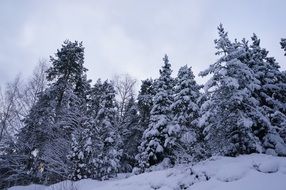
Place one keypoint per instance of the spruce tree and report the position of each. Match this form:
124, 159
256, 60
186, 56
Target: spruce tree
94, 98
283, 44
86, 145
58, 112
266, 70
108, 160
161, 134
145, 102
270, 94
131, 135
185, 109
80, 155
232, 120
96, 147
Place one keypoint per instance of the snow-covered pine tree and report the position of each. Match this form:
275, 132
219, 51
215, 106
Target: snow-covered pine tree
107, 163
67, 69
51, 121
131, 135
86, 145
145, 103
266, 70
31, 138
232, 120
80, 155
283, 44
271, 92
283, 73
161, 134
186, 110
95, 149
282, 97
94, 98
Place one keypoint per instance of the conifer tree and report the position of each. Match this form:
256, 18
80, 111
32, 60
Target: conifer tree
131, 135
272, 87
186, 110
282, 97
283, 44
96, 147
108, 160
86, 145
56, 115
95, 98
161, 134
145, 102
232, 120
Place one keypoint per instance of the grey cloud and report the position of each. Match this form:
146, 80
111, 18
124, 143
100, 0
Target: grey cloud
131, 36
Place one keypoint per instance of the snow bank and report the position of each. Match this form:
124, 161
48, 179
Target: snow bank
255, 172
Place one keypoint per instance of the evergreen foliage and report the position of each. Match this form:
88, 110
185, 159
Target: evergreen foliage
58, 112
185, 110
145, 102
272, 84
161, 134
233, 120
75, 131
131, 135
283, 44
108, 160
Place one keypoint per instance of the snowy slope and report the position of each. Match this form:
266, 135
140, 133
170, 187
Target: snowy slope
253, 172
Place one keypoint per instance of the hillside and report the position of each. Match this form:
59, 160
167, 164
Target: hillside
253, 172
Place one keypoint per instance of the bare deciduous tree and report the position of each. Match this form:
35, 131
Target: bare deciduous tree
125, 89
17, 99
9, 109
35, 85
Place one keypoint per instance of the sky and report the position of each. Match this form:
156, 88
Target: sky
129, 36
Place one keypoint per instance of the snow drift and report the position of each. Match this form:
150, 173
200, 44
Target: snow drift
253, 172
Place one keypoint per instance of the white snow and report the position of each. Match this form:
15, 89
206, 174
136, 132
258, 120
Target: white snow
231, 172
35, 152
255, 172
268, 167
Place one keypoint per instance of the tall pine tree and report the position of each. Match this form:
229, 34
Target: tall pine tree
131, 135
272, 87
86, 146
108, 160
145, 102
232, 120
161, 134
55, 116
283, 44
185, 109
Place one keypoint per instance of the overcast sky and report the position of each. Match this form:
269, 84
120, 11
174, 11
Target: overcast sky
129, 36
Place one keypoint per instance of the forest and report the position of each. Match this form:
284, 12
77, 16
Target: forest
60, 125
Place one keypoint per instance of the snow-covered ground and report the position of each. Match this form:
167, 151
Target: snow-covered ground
248, 172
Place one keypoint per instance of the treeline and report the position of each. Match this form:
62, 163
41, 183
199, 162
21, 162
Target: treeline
61, 126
